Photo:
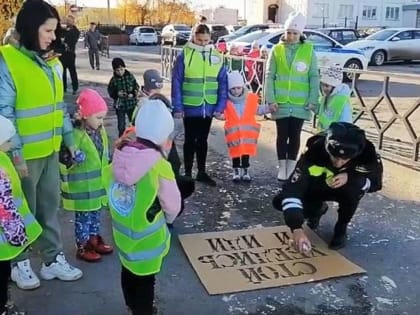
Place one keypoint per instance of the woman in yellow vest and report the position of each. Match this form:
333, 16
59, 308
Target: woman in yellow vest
18, 227
82, 186
241, 128
335, 100
292, 86
199, 93
143, 198
31, 96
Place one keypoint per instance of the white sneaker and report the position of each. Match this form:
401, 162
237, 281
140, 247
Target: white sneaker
24, 276
245, 175
282, 175
236, 175
60, 269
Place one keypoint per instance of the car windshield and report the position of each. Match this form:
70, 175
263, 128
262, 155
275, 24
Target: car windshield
242, 31
381, 35
147, 30
249, 38
218, 28
182, 28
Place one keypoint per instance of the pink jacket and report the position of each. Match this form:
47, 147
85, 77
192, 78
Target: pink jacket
130, 164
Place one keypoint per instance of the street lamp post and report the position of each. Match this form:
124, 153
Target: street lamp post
109, 11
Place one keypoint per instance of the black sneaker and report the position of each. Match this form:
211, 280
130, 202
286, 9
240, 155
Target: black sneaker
338, 241
340, 237
205, 179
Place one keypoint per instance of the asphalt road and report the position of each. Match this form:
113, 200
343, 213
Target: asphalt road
384, 240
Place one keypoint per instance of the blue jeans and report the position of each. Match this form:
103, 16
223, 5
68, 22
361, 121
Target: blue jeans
86, 224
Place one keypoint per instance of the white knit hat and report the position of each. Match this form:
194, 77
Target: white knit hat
332, 76
7, 130
296, 21
235, 79
154, 122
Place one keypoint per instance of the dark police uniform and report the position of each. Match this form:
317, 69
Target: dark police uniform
303, 196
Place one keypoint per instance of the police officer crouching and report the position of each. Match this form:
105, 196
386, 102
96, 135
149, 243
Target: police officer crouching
338, 165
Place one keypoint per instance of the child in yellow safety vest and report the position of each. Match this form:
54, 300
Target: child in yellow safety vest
18, 227
143, 198
335, 100
82, 184
241, 128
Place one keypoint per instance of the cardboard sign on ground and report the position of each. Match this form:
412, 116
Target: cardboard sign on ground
243, 260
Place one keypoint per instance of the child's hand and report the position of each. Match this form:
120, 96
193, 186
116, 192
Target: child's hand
219, 116
122, 94
179, 115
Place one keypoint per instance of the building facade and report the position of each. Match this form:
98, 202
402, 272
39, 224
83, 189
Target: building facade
221, 15
360, 13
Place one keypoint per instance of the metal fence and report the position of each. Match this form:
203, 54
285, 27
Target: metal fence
391, 118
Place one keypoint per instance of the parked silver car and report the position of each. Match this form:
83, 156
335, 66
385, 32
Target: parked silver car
390, 44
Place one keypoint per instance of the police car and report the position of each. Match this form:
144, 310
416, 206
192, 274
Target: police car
329, 51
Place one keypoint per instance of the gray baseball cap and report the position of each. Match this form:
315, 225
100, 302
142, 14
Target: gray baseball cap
152, 80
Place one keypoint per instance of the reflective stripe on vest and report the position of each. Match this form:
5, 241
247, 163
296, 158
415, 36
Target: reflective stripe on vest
200, 83
241, 133
291, 84
82, 186
38, 106
332, 111
142, 244
32, 228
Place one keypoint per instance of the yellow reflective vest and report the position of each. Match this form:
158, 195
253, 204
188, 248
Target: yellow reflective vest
200, 77
82, 185
38, 109
32, 228
332, 111
291, 84
142, 242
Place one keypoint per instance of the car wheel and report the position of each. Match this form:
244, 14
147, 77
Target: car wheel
353, 64
378, 58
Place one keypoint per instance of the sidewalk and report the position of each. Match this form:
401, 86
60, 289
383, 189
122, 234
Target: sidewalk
384, 240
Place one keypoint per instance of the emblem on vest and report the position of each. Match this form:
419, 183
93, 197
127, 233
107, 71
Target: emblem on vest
122, 198
301, 66
215, 60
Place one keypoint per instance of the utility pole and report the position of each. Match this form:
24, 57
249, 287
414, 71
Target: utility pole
245, 11
109, 11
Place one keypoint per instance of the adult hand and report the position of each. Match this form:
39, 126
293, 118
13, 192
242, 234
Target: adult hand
273, 107
311, 107
22, 170
179, 115
338, 181
130, 95
301, 241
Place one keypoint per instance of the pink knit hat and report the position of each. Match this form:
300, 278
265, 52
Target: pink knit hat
90, 103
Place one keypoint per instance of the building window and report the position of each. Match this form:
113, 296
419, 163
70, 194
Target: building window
392, 13
369, 12
321, 10
345, 11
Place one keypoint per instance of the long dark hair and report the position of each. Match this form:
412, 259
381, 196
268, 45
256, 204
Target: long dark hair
31, 16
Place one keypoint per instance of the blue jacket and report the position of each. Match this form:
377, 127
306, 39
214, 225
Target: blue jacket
204, 110
8, 102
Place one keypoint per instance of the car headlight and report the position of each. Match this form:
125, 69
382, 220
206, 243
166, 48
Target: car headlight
367, 48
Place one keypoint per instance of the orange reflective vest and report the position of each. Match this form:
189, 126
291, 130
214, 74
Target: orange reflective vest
242, 133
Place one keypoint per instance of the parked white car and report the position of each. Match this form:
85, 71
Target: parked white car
144, 35
390, 44
329, 51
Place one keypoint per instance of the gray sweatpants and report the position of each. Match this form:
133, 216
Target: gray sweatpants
42, 191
